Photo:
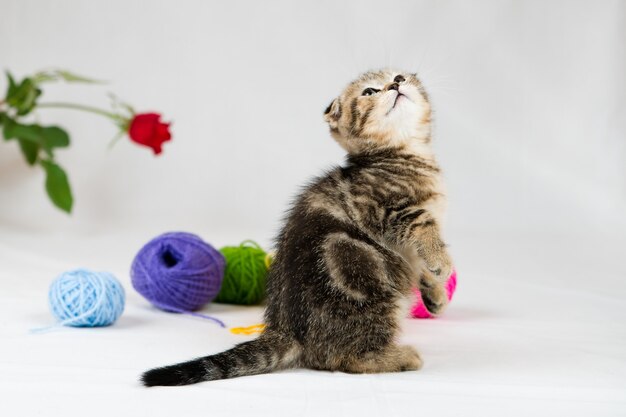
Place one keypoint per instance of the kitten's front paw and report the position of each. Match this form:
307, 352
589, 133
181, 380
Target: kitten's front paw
434, 295
439, 264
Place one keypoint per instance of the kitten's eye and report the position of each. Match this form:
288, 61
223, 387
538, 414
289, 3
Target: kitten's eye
369, 91
399, 79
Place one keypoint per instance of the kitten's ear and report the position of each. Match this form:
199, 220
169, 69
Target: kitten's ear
333, 113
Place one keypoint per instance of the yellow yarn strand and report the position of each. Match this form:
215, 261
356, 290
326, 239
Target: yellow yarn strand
256, 328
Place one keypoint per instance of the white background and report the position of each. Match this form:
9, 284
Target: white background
530, 102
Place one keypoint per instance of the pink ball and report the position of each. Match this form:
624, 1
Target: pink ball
419, 311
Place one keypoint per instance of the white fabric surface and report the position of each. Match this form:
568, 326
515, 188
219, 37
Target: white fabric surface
535, 329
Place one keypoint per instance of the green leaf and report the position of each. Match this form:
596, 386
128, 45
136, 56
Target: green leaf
7, 128
29, 141
54, 137
46, 138
30, 151
11, 85
57, 186
74, 78
56, 75
15, 130
23, 96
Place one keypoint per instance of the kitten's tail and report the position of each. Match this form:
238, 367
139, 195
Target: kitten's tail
267, 353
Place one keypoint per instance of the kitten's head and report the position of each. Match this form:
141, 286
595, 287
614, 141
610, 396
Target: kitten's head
380, 109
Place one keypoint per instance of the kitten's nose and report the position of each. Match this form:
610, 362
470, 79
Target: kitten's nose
392, 86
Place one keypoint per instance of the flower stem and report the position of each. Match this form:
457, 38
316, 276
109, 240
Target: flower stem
115, 139
82, 108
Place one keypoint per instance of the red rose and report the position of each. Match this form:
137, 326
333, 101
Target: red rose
147, 129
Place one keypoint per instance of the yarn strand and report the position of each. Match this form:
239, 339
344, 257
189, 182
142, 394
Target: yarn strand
189, 313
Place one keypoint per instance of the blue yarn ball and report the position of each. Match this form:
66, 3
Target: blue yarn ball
83, 298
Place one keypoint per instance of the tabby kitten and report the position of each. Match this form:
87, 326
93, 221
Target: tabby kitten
354, 244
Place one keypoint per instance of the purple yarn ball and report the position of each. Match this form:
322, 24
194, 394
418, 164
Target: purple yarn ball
178, 272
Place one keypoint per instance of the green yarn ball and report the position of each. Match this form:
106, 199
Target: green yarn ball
245, 274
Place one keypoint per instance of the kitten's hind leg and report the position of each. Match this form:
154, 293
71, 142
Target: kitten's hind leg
434, 294
361, 271
395, 358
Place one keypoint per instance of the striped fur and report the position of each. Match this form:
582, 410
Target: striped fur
354, 243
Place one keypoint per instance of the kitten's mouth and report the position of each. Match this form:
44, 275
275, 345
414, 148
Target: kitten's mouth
396, 100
